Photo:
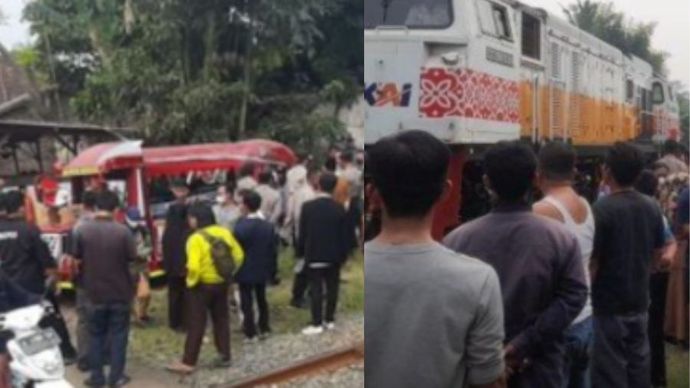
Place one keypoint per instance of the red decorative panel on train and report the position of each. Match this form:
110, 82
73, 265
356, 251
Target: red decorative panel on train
467, 93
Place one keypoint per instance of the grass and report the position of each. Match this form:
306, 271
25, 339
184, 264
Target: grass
157, 345
677, 367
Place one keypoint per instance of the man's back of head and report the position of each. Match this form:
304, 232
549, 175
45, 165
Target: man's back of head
624, 163
14, 203
107, 201
88, 200
671, 147
510, 168
251, 200
408, 172
455, 296
327, 182
647, 183
557, 162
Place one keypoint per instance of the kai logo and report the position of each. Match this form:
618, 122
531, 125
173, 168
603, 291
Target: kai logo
382, 94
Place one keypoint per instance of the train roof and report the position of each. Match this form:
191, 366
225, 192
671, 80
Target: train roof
575, 35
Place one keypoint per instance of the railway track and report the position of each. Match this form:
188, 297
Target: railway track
321, 363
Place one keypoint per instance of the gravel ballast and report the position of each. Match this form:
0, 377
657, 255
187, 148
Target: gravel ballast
281, 350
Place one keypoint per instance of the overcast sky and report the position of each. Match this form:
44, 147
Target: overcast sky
672, 32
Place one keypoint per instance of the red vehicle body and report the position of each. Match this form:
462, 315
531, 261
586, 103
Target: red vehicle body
133, 168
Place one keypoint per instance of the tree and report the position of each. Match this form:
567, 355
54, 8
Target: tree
206, 70
602, 20
683, 97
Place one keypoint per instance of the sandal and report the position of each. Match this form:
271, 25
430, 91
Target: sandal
181, 368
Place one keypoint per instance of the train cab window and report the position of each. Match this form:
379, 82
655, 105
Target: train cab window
494, 19
629, 90
531, 36
657, 93
501, 21
418, 14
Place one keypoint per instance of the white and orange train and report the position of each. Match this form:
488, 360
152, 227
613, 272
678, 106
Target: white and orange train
474, 72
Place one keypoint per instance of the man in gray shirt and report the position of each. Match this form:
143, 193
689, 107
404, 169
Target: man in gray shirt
538, 263
432, 318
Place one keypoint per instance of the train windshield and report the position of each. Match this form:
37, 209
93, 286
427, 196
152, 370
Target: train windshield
432, 14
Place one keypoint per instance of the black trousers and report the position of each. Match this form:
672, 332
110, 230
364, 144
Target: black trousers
247, 293
658, 286
299, 285
57, 323
318, 277
176, 301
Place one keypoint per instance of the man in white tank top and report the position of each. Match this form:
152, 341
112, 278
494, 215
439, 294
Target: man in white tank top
563, 204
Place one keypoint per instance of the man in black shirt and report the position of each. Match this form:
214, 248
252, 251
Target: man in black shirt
26, 259
325, 240
174, 242
25, 256
539, 266
629, 234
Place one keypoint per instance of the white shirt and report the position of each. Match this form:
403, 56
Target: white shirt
354, 179
584, 232
295, 178
269, 198
295, 203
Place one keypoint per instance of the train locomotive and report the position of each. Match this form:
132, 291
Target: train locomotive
475, 72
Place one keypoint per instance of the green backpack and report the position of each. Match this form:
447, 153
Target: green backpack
221, 256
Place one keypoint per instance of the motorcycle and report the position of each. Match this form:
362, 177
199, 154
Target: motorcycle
35, 355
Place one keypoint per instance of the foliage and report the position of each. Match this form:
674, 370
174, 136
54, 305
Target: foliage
602, 20
182, 71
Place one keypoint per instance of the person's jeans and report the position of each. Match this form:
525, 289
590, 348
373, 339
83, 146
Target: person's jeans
578, 349
317, 277
82, 326
620, 353
108, 321
247, 303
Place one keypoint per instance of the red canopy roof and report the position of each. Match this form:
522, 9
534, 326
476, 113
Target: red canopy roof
215, 156
104, 157
174, 160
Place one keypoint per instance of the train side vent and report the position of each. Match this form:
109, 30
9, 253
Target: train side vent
574, 105
555, 61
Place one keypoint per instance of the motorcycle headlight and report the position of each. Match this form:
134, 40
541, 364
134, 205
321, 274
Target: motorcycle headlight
48, 366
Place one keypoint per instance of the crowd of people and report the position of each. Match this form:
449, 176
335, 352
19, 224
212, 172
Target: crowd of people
218, 256
313, 209
553, 293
